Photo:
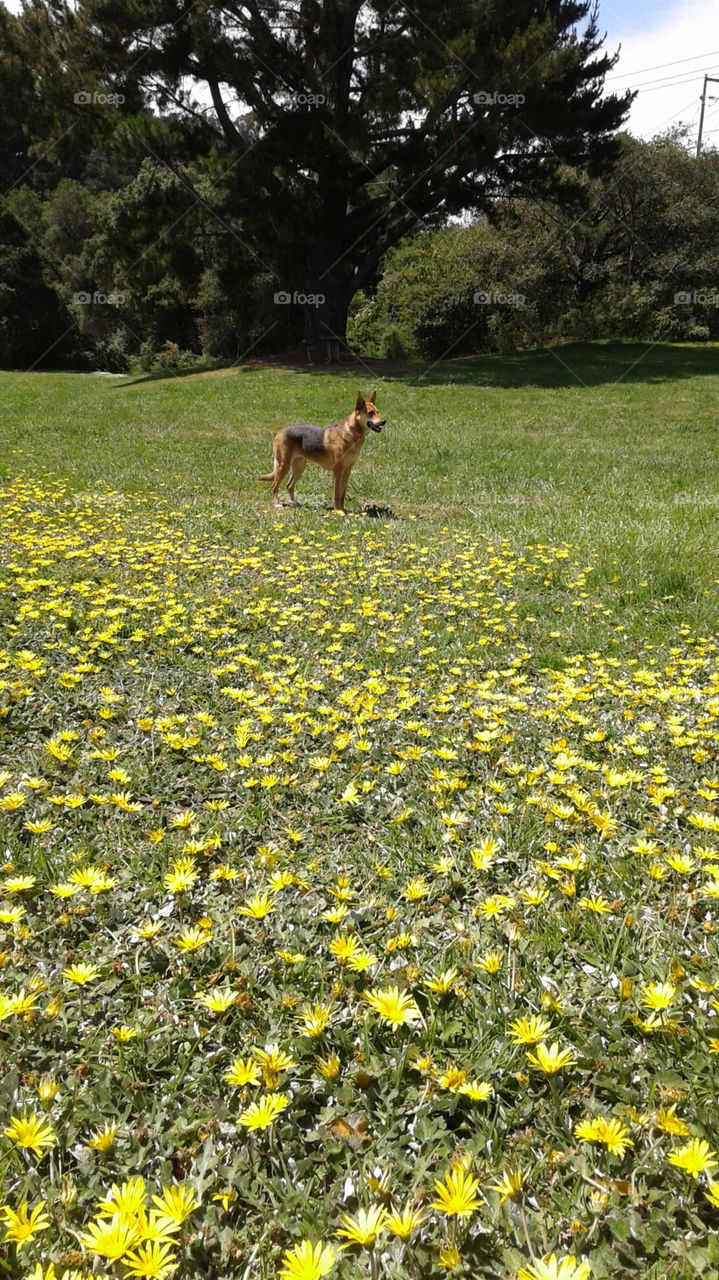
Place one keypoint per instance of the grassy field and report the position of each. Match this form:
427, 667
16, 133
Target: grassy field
358, 907
612, 448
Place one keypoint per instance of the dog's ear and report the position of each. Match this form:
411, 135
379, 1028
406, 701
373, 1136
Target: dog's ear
373, 399
360, 403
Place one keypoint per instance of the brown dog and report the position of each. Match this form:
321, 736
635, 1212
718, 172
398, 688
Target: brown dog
334, 448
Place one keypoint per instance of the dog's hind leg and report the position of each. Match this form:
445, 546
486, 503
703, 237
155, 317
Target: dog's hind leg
283, 459
343, 487
298, 465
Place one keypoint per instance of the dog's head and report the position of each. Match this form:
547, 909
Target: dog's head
367, 413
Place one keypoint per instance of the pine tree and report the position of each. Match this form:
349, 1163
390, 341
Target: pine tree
341, 126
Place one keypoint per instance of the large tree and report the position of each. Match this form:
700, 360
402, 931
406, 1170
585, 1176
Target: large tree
342, 125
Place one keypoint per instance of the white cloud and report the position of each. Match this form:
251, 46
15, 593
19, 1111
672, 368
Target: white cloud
675, 36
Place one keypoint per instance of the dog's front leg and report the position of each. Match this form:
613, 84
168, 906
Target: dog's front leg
337, 490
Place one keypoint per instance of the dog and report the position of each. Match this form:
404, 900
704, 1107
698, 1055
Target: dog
335, 448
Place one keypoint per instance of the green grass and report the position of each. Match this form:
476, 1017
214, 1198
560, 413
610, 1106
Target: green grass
610, 447
477, 742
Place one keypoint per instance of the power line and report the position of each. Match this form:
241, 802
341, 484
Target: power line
624, 75
666, 87
668, 82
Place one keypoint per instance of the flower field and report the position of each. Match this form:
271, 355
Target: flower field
338, 934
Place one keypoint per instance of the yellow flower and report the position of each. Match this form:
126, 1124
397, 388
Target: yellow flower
667, 1120
509, 1184
123, 1033
364, 1228
329, 1067
361, 961
258, 907
529, 1030
41, 827
403, 1222
612, 1133
458, 1195
308, 1261
128, 1198
695, 1158
259, 1115
151, 1261
601, 906
393, 1006
551, 1059
534, 897
712, 1194
20, 1227
110, 1237
218, 999
103, 1139
452, 1078
181, 876
556, 1268
225, 1198
192, 939
47, 1088
242, 1072
442, 982
344, 946
148, 930
658, 995
81, 973
11, 915
176, 1203
476, 1090
490, 962
273, 1059
19, 884
22, 1002
30, 1132
157, 1226
314, 1021
64, 890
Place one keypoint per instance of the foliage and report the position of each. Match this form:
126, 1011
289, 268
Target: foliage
32, 324
342, 127
610, 263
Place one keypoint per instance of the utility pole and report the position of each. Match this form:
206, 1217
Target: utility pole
707, 80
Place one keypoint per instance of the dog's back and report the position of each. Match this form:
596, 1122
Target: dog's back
310, 440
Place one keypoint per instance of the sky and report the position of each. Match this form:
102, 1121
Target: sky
665, 49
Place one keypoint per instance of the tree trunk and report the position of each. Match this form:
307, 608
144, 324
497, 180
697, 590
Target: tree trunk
328, 293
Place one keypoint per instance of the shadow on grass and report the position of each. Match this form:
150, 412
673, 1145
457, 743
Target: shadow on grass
170, 375
580, 364
575, 364
365, 508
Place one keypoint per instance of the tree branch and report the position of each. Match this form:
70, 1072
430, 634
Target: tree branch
229, 129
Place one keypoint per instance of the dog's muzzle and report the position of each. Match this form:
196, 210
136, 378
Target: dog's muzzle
377, 426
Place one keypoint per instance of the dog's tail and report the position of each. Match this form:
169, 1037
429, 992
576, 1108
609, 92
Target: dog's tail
270, 476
